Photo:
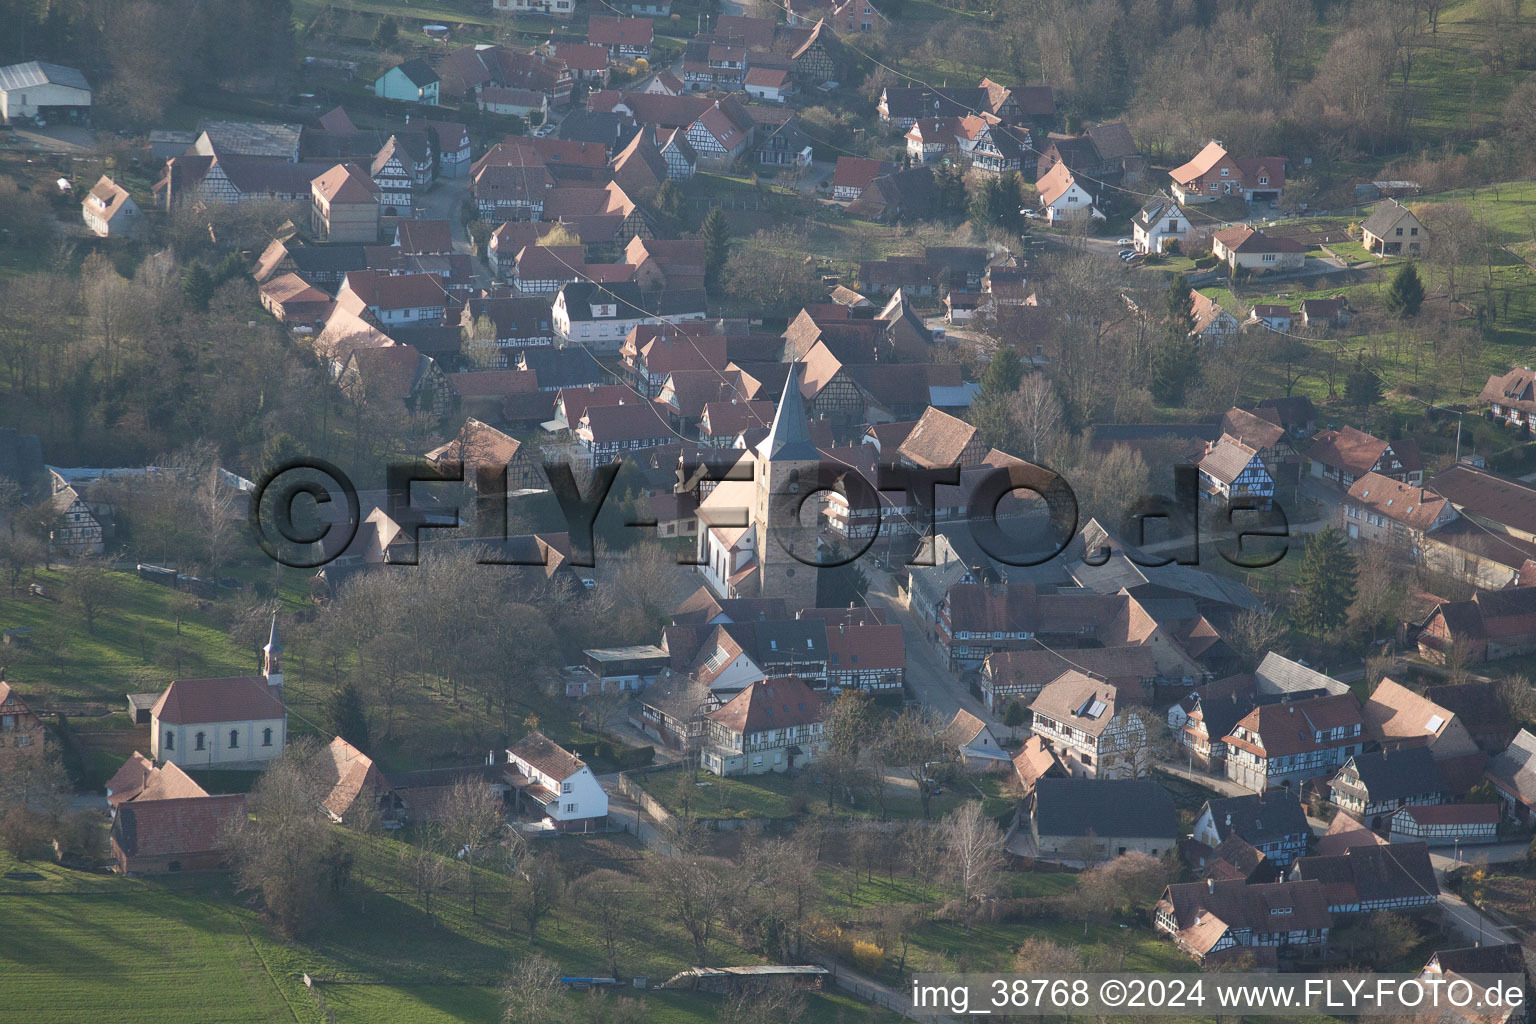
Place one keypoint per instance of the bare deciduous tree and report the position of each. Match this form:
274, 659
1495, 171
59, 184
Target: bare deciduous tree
973, 848
473, 821
279, 851
531, 992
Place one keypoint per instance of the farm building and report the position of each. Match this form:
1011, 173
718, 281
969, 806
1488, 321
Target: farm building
48, 92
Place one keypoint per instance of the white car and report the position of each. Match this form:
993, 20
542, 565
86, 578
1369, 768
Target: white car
589, 583
1124, 241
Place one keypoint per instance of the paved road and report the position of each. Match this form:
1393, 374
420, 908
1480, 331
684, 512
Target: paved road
442, 202
1475, 927
928, 676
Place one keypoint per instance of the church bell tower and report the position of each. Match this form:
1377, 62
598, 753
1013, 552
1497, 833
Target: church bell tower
787, 463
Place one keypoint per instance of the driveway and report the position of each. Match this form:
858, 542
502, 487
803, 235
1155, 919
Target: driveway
64, 138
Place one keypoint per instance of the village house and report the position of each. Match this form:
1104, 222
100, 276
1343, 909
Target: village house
1214, 326
1063, 199
1231, 922
1511, 397
1324, 313
481, 447
1491, 625
1250, 249
600, 317
871, 657
560, 9
1393, 230
1513, 775
110, 212
21, 731
394, 171
1160, 226
606, 432
587, 62
769, 85
973, 741
1272, 823
720, 134
1287, 744
345, 205
1446, 824
1378, 508
623, 38
356, 788
1214, 174
543, 774
1089, 728
1207, 715
170, 824
1033, 762
1492, 543
531, 105
1396, 717
414, 81
1232, 859
1105, 153
235, 723
1373, 786
294, 301
1271, 317
851, 175
1368, 878
774, 725
1344, 456
1094, 820
394, 300
1232, 474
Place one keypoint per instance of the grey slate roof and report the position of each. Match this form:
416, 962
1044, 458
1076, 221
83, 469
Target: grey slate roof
1405, 772
1126, 808
36, 72
790, 436
1259, 819
1280, 675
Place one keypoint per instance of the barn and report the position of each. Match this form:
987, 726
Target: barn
47, 91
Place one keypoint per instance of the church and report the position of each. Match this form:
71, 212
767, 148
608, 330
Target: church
237, 723
738, 554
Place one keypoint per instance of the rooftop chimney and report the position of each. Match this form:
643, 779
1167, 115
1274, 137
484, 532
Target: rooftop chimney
1210, 885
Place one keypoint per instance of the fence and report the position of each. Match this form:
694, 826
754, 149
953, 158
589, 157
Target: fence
871, 992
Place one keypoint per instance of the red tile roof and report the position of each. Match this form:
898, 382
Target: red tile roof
858, 648
346, 183
605, 31
240, 699
547, 756
775, 703
169, 827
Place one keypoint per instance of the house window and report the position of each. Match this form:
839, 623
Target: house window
570, 808
266, 737
234, 739
170, 740
565, 787
1225, 171
197, 742
1263, 181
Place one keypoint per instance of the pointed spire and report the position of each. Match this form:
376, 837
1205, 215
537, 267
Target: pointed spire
790, 436
273, 646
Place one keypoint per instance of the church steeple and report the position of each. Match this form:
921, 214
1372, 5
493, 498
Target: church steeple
272, 662
790, 436
787, 465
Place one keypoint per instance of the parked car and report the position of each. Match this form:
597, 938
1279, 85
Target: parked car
1127, 253
1124, 241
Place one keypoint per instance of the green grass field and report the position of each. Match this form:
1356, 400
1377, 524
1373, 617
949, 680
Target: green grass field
133, 646
773, 795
